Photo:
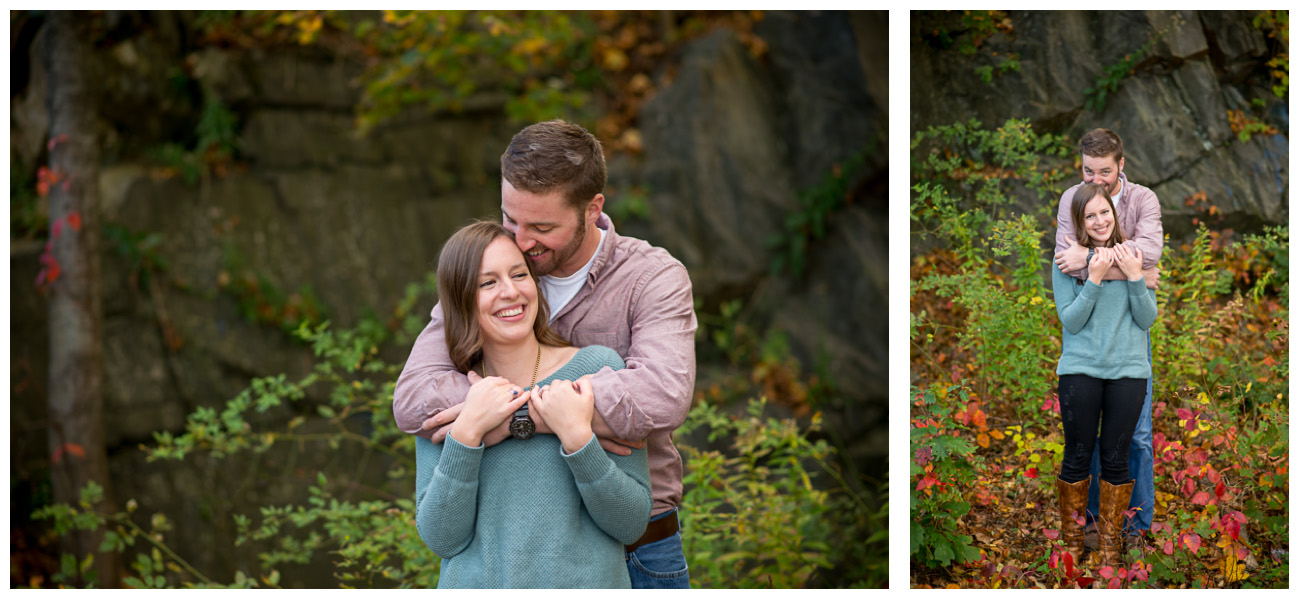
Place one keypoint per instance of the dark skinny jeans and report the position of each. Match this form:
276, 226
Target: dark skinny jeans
1117, 404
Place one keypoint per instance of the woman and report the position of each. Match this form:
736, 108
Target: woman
1103, 369
531, 511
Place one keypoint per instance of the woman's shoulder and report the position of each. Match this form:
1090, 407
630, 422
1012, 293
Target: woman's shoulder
590, 359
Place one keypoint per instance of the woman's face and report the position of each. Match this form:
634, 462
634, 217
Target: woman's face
1098, 219
507, 294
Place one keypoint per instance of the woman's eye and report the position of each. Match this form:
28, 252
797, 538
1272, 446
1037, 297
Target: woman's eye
486, 283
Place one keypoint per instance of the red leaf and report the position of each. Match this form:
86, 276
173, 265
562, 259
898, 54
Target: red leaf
1201, 498
1184, 414
1169, 547
56, 140
1069, 565
54, 271
1051, 533
1219, 490
1114, 584
1193, 542
1054, 560
1107, 572
74, 220
1242, 552
1085, 581
1032, 473
926, 482
68, 448
57, 228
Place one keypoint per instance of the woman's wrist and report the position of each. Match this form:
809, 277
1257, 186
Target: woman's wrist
575, 438
465, 436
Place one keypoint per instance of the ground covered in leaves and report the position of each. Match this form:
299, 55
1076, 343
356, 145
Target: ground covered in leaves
986, 436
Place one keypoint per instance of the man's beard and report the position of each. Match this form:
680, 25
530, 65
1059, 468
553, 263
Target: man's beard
558, 257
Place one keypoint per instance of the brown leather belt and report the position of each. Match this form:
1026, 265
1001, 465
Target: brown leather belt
656, 530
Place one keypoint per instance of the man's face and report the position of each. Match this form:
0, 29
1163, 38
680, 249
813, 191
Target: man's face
1103, 171
546, 228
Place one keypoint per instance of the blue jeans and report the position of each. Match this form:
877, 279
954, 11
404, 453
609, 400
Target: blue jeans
1140, 462
660, 565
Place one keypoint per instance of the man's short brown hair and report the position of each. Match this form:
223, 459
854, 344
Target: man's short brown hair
1100, 143
556, 155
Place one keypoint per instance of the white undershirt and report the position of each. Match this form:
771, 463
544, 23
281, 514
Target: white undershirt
558, 291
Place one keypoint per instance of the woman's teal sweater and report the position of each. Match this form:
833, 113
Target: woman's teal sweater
1104, 327
522, 514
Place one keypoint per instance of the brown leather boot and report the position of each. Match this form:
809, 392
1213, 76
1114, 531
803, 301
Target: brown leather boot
1074, 503
1110, 523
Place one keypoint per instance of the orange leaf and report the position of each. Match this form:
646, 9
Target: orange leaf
70, 448
74, 220
983, 440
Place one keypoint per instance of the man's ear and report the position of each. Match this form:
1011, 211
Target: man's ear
594, 208
1121, 165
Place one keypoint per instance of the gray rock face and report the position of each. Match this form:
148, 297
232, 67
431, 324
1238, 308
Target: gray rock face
1172, 110
730, 144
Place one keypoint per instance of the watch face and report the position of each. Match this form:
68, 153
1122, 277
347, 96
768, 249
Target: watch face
522, 428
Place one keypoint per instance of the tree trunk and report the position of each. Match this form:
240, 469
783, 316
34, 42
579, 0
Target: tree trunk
76, 353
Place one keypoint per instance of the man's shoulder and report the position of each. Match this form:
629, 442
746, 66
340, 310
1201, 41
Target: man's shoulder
1140, 192
637, 254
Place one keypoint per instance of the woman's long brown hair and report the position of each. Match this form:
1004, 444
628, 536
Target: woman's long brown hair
1079, 204
458, 271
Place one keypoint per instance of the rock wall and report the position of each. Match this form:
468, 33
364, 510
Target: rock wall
729, 142
1171, 111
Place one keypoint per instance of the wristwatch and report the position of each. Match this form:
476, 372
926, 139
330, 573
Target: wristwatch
1089, 261
521, 425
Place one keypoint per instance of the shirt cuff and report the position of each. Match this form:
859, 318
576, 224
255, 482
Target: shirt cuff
459, 461
589, 463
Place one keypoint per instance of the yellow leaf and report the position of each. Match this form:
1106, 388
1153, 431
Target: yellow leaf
1034, 458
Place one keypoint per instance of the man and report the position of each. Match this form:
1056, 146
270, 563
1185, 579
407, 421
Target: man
1102, 154
604, 289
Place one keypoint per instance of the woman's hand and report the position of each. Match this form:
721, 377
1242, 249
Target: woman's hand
1130, 261
490, 402
567, 406
1102, 260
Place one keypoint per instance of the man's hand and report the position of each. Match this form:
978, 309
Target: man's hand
1152, 276
441, 423
620, 447
1073, 258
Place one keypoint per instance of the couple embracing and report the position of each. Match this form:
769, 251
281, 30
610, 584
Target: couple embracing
1108, 241
546, 386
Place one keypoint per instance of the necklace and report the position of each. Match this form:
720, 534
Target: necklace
482, 363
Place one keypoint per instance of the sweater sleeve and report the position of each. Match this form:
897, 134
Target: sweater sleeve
446, 494
1142, 303
1073, 309
429, 382
615, 489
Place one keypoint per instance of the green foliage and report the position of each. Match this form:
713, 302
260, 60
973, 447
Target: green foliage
817, 205
966, 179
217, 142
755, 517
541, 62
142, 250
1010, 63
262, 301
1108, 82
629, 204
939, 463
26, 218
